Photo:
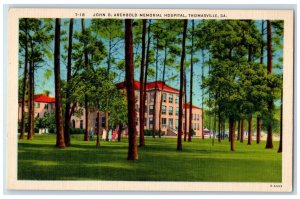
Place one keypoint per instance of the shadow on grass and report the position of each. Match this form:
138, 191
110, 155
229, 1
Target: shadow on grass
158, 161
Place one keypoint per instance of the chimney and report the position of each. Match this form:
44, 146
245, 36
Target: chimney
47, 93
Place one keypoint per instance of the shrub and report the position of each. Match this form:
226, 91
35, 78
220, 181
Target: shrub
47, 121
76, 130
149, 132
193, 132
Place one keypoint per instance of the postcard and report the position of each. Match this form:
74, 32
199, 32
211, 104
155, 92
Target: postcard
150, 100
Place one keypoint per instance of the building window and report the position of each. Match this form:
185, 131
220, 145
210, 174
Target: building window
145, 108
81, 124
137, 108
150, 122
152, 97
137, 97
46, 106
37, 105
177, 99
171, 123
170, 98
73, 123
171, 110
164, 122
103, 122
163, 110
96, 122
151, 109
145, 121
136, 121
176, 123
198, 126
177, 110
164, 97
198, 116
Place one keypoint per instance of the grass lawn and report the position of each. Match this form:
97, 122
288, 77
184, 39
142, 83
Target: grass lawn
38, 159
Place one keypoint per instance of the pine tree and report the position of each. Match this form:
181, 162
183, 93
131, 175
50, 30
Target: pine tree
69, 76
179, 139
142, 88
60, 142
132, 148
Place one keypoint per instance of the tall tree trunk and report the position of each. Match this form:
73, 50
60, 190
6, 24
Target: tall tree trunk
179, 139
250, 130
229, 136
146, 69
231, 132
209, 108
239, 130
202, 94
191, 84
242, 130
161, 96
120, 132
68, 103
269, 144
214, 127
98, 128
280, 141
223, 134
108, 71
185, 109
31, 94
60, 141
155, 90
132, 147
86, 64
22, 125
259, 119
106, 123
258, 131
142, 94
219, 125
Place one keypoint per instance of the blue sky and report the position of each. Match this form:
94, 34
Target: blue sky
41, 84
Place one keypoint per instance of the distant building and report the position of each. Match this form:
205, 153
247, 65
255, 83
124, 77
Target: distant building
42, 104
170, 109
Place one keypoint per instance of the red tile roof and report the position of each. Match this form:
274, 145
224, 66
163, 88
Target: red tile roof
42, 98
151, 85
193, 106
122, 85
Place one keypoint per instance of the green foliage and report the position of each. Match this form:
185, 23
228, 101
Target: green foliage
74, 131
26, 122
149, 132
39, 36
237, 84
47, 121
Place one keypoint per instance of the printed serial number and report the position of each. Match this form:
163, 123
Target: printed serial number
79, 14
276, 185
